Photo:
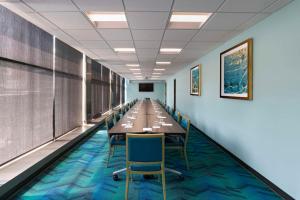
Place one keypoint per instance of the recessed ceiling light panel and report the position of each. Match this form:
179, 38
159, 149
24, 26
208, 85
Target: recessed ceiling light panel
124, 50
163, 62
159, 69
108, 19
170, 50
188, 20
132, 65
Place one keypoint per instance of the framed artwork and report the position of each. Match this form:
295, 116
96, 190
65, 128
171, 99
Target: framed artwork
195, 80
236, 71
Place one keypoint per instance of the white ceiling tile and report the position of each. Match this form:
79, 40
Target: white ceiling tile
231, 34
42, 22
103, 52
68, 20
210, 36
147, 5
254, 20
245, 5
227, 21
64, 37
190, 53
197, 5
166, 56
179, 35
128, 57
276, 6
108, 58
94, 44
173, 44
147, 44
81, 34
147, 61
147, 34
51, 5
17, 6
151, 53
121, 44
115, 34
200, 46
100, 5
147, 20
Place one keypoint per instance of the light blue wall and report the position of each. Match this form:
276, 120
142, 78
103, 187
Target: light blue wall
132, 91
265, 132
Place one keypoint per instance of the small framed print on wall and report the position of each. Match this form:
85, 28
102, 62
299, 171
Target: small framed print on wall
236, 71
195, 80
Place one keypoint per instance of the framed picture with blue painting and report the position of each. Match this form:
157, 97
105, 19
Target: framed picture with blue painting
236, 71
195, 80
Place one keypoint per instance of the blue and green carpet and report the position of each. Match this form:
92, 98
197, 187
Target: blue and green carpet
82, 174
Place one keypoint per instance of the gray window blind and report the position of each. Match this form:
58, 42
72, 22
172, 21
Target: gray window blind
118, 90
123, 90
68, 88
26, 87
96, 89
106, 88
113, 89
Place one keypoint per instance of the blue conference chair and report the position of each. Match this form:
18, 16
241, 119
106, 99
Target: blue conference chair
180, 142
145, 154
113, 140
117, 115
177, 116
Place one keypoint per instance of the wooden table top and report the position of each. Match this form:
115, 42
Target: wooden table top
147, 114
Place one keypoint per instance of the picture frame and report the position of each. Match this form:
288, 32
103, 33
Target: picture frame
195, 80
236, 71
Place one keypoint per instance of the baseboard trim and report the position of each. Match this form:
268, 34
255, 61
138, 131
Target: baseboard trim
270, 184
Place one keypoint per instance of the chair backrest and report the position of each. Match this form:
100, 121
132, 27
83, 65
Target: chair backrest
177, 116
117, 116
109, 121
171, 112
186, 123
145, 148
123, 110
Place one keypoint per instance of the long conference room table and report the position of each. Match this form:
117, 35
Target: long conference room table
146, 116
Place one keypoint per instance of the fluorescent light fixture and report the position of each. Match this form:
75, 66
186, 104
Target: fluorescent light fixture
138, 76
155, 76
135, 69
108, 19
189, 17
159, 69
188, 20
125, 50
156, 73
107, 16
132, 65
138, 73
163, 62
170, 50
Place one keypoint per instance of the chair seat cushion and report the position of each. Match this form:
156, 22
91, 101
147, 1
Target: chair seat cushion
174, 141
147, 168
117, 141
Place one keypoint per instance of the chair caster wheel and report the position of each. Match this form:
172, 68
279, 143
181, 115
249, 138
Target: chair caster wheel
115, 177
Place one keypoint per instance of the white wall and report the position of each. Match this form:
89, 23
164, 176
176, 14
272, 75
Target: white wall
265, 132
132, 91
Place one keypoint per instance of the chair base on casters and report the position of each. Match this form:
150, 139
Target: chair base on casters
173, 171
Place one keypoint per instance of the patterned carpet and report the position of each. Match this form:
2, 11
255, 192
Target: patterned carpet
82, 174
